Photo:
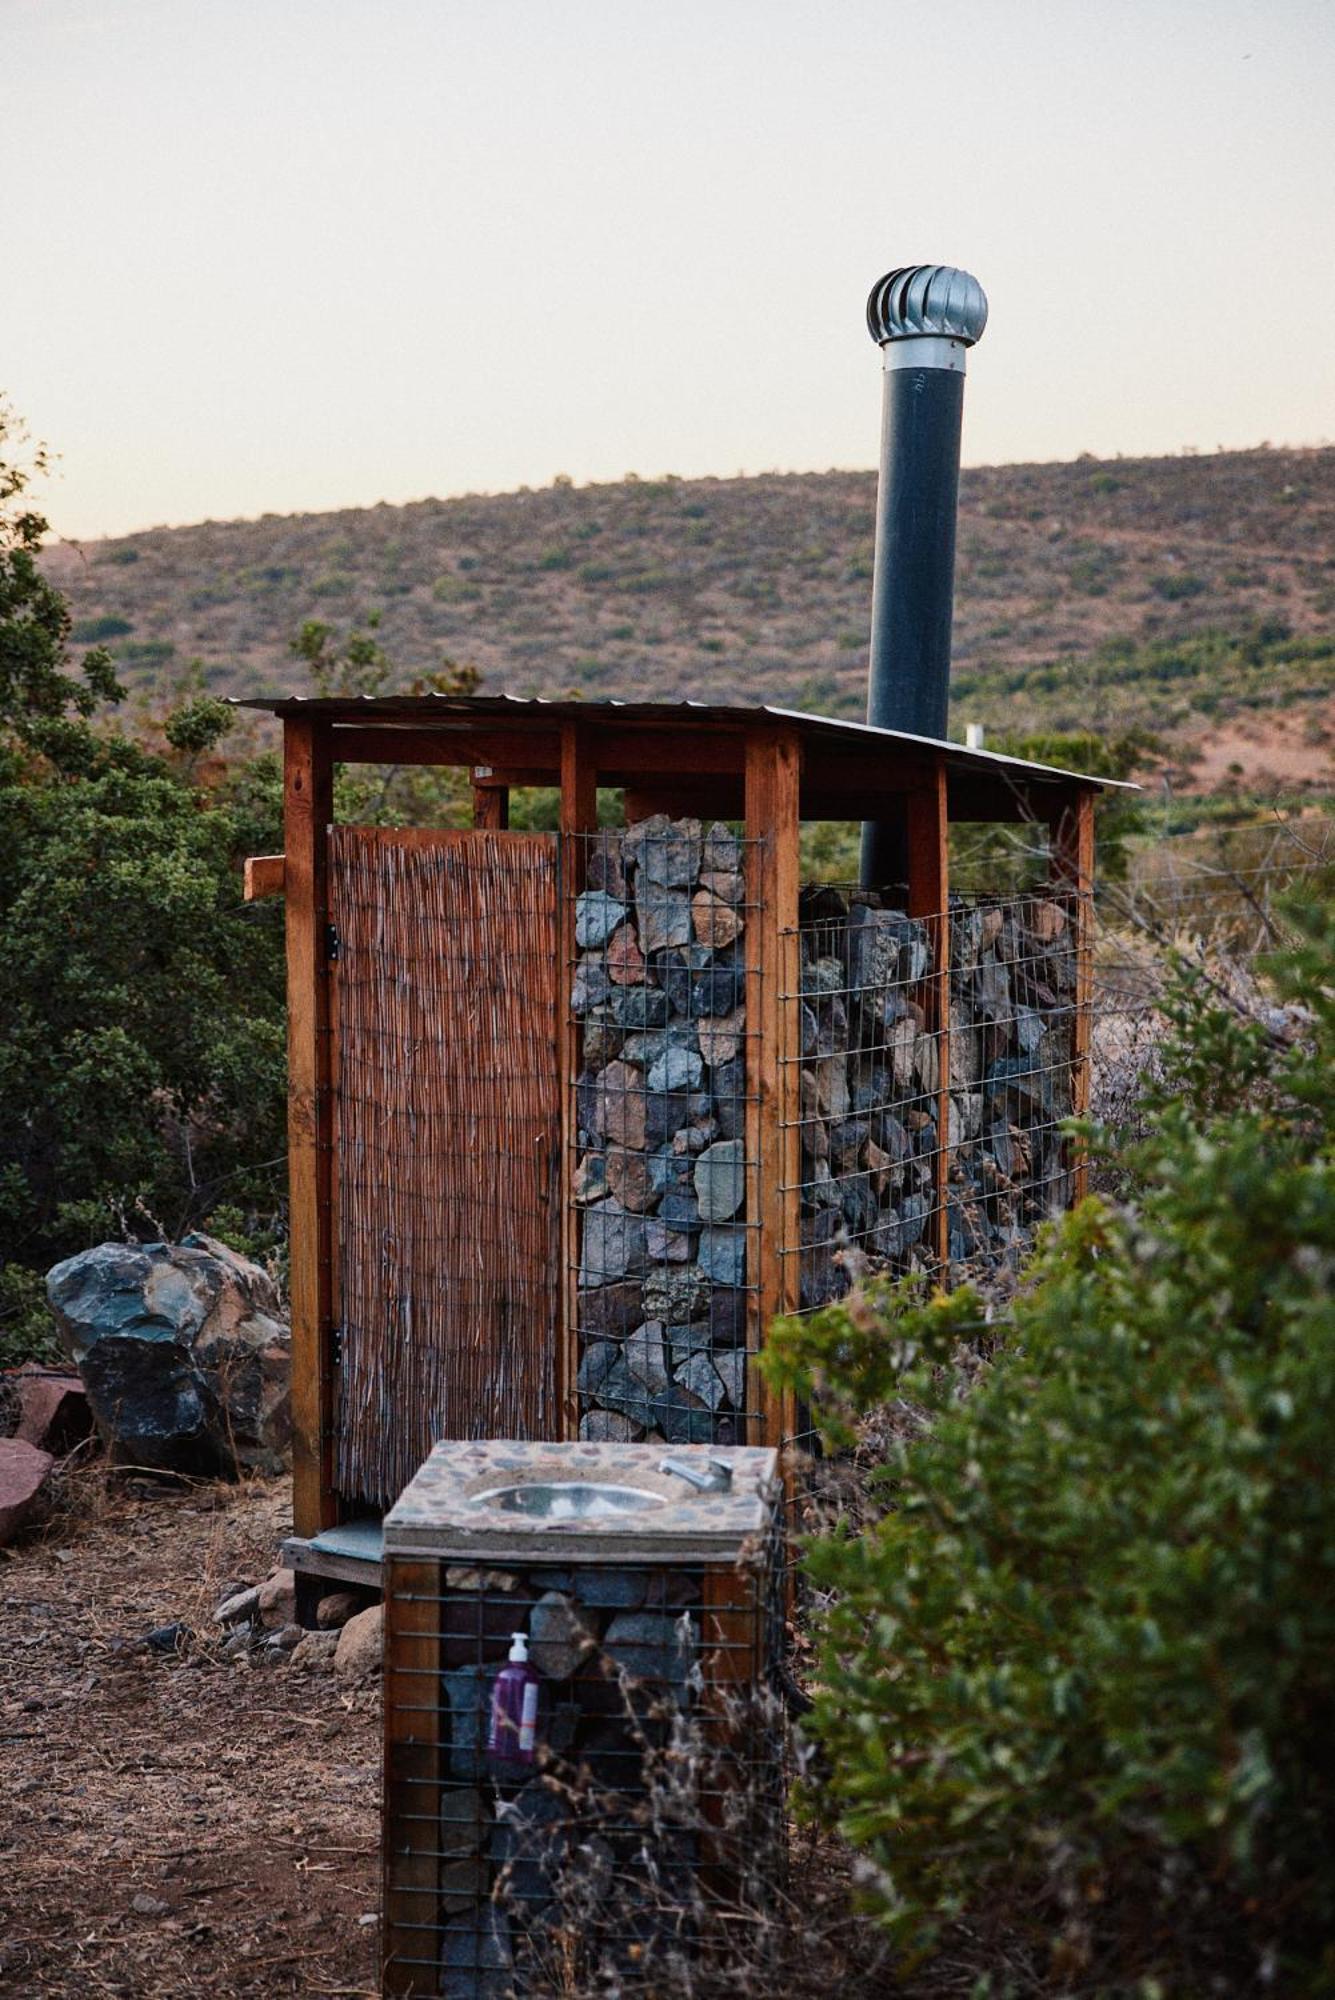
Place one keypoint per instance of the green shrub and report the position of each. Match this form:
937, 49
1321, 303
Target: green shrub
1085, 1661
96, 631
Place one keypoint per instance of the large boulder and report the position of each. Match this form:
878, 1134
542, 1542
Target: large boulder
183, 1353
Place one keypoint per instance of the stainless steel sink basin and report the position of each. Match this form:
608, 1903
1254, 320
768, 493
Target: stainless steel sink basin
566, 1500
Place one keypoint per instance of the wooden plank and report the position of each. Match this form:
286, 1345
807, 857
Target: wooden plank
410, 1938
1071, 871
263, 876
929, 900
295, 1552
773, 778
307, 809
731, 1665
578, 817
671, 751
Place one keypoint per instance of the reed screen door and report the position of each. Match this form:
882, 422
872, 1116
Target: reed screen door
447, 1116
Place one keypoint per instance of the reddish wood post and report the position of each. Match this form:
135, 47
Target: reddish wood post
773, 1138
1071, 872
579, 817
410, 1936
307, 811
491, 801
929, 900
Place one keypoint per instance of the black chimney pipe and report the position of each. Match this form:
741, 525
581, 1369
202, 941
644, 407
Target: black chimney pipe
924, 318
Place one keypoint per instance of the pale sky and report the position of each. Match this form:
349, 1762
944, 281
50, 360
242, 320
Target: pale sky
270, 255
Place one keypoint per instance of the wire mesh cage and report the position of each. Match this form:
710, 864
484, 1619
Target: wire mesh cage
606, 1813
936, 1059
666, 1171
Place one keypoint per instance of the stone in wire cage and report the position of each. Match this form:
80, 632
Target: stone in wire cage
664, 1172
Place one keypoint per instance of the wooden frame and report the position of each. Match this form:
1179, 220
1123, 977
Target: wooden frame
773, 1137
766, 771
307, 810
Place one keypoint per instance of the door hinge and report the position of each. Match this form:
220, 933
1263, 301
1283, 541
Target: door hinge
333, 943
335, 1347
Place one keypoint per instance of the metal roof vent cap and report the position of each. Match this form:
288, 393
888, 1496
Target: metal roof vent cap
918, 301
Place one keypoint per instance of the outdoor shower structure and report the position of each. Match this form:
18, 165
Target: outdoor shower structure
574, 1114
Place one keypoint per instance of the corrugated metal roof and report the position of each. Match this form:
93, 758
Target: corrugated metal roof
825, 729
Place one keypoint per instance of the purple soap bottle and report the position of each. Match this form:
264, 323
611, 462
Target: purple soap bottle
512, 1733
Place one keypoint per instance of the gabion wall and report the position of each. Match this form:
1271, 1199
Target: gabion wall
869, 1061
663, 1172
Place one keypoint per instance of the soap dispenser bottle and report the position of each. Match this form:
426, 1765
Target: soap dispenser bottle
512, 1733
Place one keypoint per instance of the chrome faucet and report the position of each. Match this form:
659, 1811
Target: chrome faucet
713, 1476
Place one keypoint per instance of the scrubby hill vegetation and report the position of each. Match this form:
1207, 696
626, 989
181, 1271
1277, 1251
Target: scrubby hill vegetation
1176, 594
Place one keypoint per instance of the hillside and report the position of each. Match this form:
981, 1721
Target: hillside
1179, 593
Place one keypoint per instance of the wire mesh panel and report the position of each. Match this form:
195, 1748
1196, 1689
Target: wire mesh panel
604, 1814
928, 1125
447, 1103
665, 1173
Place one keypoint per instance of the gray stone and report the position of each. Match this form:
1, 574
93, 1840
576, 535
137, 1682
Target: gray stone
682, 1417
728, 1314
722, 1255
628, 1179
721, 1038
590, 986
720, 1180
559, 1636
729, 1098
596, 917
596, 1363
676, 1295
476, 1957
590, 1179
664, 850
699, 1375
618, 1108
464, 1825
645, 1357
614, 1244
650, 1647
182, 1351
914, 1211
603, 866
612, 1589
670, 1172
608, 1427
532, 1845
662, 916
466, 1692
731, 1370
610, 1311
664, 1245
676, 1069
603, 1038
665, 1113
722, 852
679, 1210
654, 1044
639, 1007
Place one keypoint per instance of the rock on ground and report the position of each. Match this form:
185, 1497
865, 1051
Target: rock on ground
182, 1351
23, 1473
360, 1645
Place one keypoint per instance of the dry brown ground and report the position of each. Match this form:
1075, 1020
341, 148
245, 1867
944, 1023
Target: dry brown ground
174, 1825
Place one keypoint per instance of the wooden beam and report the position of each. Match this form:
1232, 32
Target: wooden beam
704, 797
263, 876
679, 750
537, 749
307, 810
929, 901
578, 817
1071, 872
773, 777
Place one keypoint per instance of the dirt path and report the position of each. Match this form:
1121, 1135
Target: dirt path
174, 1825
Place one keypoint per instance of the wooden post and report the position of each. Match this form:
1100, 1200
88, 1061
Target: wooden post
491, 801
929, 901
773, 1138
579, 816
410, 1939
307, 810
1071, 871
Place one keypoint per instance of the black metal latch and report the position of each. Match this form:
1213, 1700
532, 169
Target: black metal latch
333, 943
336, 1347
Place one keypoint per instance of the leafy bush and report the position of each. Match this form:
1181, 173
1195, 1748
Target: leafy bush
1083, 1662
94, 631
